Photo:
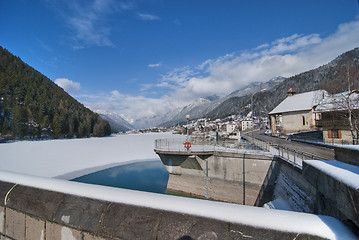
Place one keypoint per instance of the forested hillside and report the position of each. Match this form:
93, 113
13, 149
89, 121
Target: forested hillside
32, 106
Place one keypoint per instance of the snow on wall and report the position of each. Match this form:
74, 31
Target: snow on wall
343, 172
294, 198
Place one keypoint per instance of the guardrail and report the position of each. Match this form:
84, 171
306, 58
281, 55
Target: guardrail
292, 156
199, 145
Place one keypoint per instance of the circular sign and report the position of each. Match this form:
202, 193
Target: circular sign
187, 145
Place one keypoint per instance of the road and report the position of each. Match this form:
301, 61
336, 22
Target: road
322, 152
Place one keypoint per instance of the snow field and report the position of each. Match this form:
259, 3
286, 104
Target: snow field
71, 158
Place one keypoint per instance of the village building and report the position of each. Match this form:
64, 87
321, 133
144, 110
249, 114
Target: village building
332, 116
246, 124
231, 127
296, 113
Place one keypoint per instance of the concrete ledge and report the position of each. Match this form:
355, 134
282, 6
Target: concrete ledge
347, 155
334, 197
82, 211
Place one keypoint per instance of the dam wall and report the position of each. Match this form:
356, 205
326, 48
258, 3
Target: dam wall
319, 187
42, 208
222, 176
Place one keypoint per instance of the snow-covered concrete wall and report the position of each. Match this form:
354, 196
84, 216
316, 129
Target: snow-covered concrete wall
337, 189
320, 187
41, 208
347, 154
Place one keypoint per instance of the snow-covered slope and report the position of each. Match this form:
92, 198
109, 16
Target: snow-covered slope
117, 123
196, 109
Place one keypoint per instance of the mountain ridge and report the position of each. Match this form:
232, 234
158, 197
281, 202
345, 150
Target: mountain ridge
264, 99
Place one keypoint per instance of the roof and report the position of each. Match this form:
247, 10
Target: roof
300, 102
338, 102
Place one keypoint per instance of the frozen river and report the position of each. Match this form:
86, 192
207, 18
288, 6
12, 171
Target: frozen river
72, 158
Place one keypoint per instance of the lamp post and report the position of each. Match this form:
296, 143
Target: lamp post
252, 115
187, 117
217, 137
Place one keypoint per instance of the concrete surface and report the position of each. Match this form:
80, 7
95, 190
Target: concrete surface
350, 156
71, 217
333, 198
229, 174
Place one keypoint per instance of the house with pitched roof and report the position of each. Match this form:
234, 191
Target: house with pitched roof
332, 116
296, 113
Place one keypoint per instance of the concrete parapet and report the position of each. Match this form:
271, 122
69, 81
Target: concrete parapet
38, 213
334, 197
347, 155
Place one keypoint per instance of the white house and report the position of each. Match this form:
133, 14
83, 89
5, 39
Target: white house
246, 124
230, 127
296, 112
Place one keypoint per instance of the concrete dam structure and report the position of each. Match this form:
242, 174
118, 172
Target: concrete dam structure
276, 178
53, 209
44, 208
222, 176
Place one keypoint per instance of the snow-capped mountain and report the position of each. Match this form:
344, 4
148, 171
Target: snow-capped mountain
202, 107
256, 87
196, 109
117, 123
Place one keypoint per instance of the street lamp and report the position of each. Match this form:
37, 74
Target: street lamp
217, 122
252, 115
187, 117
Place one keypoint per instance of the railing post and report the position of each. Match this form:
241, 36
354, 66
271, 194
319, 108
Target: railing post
207, 178
288, 153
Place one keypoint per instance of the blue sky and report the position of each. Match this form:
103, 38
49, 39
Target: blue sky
144, 58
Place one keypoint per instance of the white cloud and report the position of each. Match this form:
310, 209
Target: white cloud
282, 57
147, 17
154, 65
68, 85
88, 21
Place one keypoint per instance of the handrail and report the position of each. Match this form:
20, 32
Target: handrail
290, 155
202, 145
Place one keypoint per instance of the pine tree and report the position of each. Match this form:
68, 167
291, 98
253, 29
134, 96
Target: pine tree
5, 128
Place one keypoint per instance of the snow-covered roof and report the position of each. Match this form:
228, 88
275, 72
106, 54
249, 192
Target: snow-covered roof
300, 102
338, 102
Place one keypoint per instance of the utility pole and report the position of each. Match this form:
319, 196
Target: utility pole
187, 117
252, 115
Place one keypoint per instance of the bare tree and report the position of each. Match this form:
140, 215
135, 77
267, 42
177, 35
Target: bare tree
346, 104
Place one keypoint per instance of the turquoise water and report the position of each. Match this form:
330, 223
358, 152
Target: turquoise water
148, 176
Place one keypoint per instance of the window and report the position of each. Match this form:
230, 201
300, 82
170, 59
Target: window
334, 133
303, 118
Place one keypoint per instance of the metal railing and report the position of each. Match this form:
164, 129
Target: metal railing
292, 156
199, 145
